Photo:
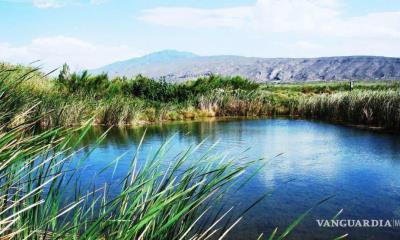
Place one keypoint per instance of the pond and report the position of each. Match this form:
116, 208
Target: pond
306, 162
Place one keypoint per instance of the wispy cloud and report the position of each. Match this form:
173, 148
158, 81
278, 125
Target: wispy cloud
97, 2
195, 17
56, 50
307, 17
47, 3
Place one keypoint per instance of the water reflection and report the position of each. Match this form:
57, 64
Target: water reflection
359, 167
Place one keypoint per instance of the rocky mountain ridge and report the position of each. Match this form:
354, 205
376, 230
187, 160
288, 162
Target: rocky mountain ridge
180, 66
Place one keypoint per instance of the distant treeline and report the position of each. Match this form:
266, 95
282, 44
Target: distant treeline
146, 88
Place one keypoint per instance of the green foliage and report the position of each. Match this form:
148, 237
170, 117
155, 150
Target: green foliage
73, 98
205, 85
147, 88
377, 108
64, 77
331, 87
150, 89
82, 82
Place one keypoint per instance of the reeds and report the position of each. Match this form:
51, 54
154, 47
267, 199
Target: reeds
245, 103
72, 99
377, 108
40, 197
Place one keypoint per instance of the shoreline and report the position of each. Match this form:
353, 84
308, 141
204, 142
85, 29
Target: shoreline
143, 123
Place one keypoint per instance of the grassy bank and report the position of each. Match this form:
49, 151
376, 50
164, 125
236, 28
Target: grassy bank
366, 107
73, 98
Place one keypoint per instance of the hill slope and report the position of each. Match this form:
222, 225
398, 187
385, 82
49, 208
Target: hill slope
180, 66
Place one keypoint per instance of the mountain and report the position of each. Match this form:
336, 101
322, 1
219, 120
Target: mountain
180, 66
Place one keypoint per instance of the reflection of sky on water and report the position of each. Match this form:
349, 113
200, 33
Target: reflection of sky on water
359, 167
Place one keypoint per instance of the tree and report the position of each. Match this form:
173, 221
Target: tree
64, 77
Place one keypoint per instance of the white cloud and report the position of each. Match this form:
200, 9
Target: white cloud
97, 2
194, 17
292, 28
54, 51
382, 47
302, 17
47, 3
380, 25
57, 3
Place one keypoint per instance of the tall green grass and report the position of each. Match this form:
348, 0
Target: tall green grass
37, 181
377, 108
72, 98
245, 103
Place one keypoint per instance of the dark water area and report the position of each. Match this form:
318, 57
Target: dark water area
359, 168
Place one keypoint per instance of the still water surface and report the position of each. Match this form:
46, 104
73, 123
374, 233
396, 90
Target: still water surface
360, 168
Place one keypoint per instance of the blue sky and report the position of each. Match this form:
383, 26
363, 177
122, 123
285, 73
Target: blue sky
91, 33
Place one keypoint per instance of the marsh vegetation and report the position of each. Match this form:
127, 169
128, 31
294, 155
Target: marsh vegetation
72, 98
